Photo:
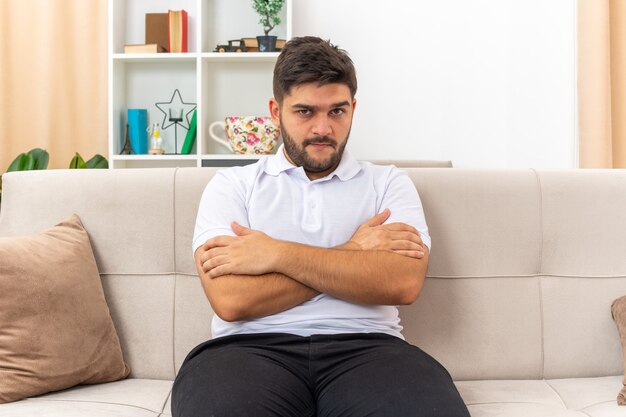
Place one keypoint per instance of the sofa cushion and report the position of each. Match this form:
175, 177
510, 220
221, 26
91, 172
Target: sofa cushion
589, 394
131, 397
44, 408
570, 397
56, 328
130, 394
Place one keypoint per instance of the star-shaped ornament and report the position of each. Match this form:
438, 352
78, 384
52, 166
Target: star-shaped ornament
176, 111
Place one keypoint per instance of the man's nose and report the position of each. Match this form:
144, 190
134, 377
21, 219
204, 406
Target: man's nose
322, 126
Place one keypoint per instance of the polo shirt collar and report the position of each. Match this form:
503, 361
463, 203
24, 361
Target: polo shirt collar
278, 163
347, 169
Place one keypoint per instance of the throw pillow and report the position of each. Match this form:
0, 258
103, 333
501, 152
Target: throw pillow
55, 327
618, 311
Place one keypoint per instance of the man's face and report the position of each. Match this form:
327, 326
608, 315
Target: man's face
315, 124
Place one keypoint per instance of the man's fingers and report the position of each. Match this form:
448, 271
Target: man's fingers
209, 244
215, 262
214, 252
405, 245
400, 227
217, 241
219, 271
239, 229
390, 236
410, 236
410, 253
379, 219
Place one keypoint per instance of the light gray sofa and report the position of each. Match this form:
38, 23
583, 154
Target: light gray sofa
523, 271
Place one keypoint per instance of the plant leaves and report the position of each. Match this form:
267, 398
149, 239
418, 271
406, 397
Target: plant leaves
17, 163
41, 158
269, 11
23, 162
98, 161
78, 162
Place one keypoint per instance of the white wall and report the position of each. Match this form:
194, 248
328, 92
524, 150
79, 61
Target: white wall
485, 83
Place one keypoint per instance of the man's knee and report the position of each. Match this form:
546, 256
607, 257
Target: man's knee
393, 379
236, 382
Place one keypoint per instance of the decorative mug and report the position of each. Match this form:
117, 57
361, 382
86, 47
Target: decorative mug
247, 134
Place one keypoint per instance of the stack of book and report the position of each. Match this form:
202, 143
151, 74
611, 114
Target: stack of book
165, 32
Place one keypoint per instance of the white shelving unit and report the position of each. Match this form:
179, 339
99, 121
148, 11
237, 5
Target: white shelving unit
221, 84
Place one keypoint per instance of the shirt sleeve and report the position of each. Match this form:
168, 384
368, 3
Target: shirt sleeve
402, 198
222, 202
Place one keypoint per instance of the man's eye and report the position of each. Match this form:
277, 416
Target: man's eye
337, 112
304, 112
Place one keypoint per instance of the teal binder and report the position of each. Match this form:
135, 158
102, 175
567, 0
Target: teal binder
138, 122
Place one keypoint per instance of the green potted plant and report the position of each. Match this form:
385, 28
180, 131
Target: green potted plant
268, 10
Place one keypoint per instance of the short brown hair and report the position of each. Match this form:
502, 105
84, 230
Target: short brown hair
310, 59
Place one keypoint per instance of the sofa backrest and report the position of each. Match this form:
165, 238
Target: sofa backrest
413, 163
523, 270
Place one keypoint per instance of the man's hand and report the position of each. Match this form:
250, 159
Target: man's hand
396, 237
251, 252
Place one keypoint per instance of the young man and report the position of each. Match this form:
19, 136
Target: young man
303, 257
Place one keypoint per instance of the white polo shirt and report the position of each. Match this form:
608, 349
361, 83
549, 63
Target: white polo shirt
277, 198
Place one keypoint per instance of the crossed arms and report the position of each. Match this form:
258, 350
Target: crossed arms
251, 275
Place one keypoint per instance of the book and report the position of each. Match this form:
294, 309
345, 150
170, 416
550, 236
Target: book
190, 138
177, 30
157, 29
251, 44
147, 48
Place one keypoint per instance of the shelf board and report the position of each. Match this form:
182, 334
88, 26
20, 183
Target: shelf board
163, 57
230, 156
181, 157
190, 157
240, 56
191, 57
227, 160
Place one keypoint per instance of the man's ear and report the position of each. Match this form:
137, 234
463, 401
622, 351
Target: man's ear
353, 104
275, 112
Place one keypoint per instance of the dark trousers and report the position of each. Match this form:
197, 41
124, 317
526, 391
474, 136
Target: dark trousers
323, 375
